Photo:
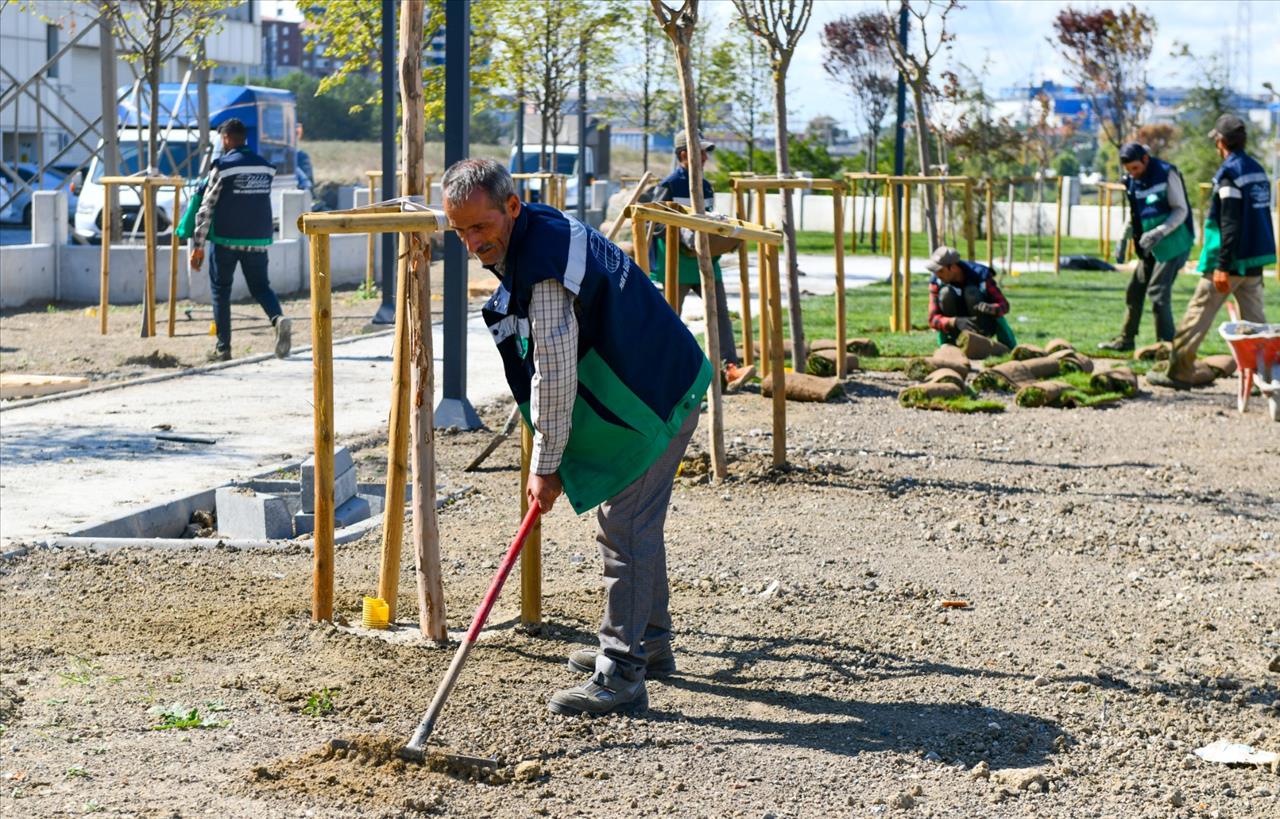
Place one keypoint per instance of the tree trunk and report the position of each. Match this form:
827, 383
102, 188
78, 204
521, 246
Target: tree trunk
426, 526
788, 218
711, 305
153, 87
922, 152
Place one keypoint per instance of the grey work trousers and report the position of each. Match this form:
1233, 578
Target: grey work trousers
636, 619
724, 326
1154, 280
1203, 309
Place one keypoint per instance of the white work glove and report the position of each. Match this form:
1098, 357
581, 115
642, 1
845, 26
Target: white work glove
1151, 238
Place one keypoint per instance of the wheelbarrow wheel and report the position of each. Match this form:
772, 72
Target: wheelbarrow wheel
1274, 403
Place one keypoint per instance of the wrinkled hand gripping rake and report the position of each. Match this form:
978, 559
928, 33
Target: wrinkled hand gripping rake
415, 751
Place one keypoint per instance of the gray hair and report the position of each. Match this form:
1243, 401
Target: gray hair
467, 176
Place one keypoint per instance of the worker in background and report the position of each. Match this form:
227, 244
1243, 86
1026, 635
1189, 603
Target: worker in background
675, 188
611, 381
1238, 243
964, 297
1160, 225
235, 217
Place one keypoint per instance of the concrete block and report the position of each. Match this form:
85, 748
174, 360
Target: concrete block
246, 514
344, 481
49, 217
292, 205
346, 197
360, 198
352, 512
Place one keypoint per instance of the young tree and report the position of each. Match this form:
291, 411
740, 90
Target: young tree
915, 63
982, 144
855, 54
745, 68
779, 24
152, 33
679, 25
643, 81
542, 44
1209, 98
1107, 52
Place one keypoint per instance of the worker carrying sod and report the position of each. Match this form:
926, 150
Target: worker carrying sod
235, 216
1238, 243
611, 382
1160, 225
675, 188
964, 297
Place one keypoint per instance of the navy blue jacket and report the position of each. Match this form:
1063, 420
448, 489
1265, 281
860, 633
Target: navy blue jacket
1237, 231
242, 215
640, 370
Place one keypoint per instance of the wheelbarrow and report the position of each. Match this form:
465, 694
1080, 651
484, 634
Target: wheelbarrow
1256, 349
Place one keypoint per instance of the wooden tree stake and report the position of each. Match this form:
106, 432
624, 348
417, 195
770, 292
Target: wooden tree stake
779, 373
744, 282
322, 398
837, 205
531, 557
671, 270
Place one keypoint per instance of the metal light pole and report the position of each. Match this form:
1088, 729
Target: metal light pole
582, 128
387, 310
899, 138
454, 409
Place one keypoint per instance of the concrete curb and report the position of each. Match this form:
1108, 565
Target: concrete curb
151, 379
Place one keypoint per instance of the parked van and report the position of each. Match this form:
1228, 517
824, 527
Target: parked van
565, 162
269, 114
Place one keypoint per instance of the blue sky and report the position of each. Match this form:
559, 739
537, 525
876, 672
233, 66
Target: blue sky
1011, 37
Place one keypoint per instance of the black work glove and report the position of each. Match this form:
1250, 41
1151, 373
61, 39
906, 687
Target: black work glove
986, 308
966, 325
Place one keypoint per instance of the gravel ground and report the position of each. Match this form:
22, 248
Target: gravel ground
1121, 569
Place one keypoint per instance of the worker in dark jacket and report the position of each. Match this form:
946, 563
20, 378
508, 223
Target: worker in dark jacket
964, 297
1160, 225
611, 381
235, 216
1238, 243
675, 188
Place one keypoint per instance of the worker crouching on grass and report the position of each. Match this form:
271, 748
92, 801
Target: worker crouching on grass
611, 381
235, 216
1160, 224
964, 297
1238, 243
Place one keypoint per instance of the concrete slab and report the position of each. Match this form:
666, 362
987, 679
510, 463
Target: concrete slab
344, 481
349, 513
83, 458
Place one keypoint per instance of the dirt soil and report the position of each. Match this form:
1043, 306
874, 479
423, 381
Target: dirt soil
1120, 567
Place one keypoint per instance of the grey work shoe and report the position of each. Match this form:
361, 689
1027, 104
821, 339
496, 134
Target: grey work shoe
218, 355
660, 663
607, 692
284, 336
1119, 344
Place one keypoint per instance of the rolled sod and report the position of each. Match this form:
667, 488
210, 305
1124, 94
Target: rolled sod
1153, 352
1222, 365
928, 390
1069, 361
822, 362
1011, 375
945, 375
1057, 344
802, 387
1115, 379
864, 347
1025, 352
1041, 394
977, 346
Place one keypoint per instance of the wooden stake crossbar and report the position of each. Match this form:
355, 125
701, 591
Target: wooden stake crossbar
900, 238
318, 227
761, 185
553, 187
370, 253
149, 185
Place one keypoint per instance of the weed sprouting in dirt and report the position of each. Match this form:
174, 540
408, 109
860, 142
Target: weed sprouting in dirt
319, 703
79, 672
180, 717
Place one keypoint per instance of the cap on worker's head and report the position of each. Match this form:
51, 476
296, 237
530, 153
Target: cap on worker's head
1228, 126
682, 142
233, 128
1132, 152
942, 256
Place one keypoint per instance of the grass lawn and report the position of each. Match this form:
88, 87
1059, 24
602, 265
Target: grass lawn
1083, 307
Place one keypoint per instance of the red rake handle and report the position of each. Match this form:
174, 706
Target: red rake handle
495, 588
419, 740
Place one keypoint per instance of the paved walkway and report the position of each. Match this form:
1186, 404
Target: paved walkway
69, 462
